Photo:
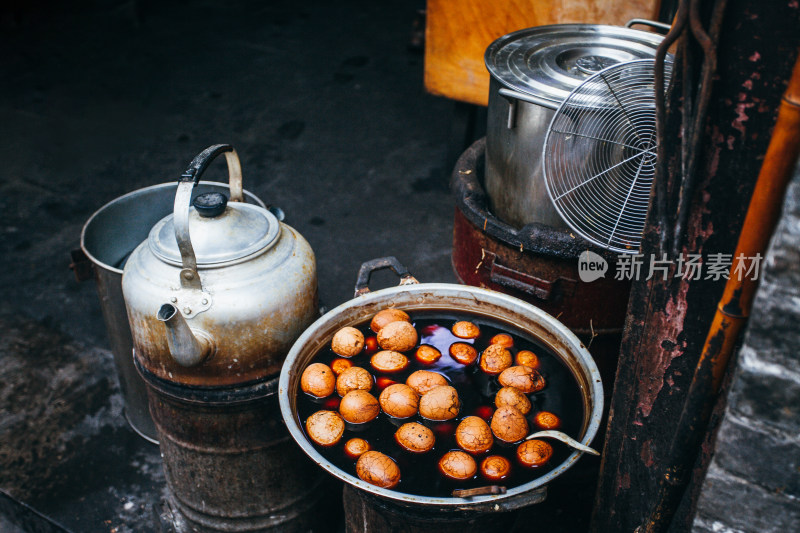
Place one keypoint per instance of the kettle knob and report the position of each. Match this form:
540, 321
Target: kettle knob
210, 204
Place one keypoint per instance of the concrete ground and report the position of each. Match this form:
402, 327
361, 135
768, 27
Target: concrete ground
325, 104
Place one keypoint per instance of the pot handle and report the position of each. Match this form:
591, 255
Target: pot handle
646, 22
366, 270
190, 279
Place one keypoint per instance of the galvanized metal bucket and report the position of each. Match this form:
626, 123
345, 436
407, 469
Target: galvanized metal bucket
107, 239
409, 511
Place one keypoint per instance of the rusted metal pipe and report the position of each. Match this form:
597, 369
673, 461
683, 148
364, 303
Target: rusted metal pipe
734, 306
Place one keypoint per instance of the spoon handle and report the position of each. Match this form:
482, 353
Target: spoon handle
563, 437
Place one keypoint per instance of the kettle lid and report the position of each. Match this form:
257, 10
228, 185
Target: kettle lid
237, 232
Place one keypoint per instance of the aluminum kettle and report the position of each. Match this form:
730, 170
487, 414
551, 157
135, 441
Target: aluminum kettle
220, 289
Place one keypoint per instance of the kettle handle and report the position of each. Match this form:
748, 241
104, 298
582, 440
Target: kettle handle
190, 279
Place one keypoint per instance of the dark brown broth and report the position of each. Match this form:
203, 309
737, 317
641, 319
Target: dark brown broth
419, 472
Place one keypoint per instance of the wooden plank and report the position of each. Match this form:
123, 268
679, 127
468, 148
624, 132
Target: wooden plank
459, 31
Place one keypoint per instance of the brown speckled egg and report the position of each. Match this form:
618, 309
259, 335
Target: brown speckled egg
466, 330
458, 465
355, 447
534, 452
389, 361
354, 378
463, 353
527, 358
347, 342
514, 398
503, 339
340, 365
508, 424
415, 437
495, 468
387, 316
423, 381
325, 428
440, 403
474, 435
547, 420
494, 359
523, 378
427, 354
318, 380
399, 401
378, 469
358, 407
399, 336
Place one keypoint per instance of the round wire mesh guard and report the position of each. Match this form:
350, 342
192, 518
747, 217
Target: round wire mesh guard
600, 155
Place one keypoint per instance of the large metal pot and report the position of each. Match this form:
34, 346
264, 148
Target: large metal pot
532, 72
458, 513
215, 297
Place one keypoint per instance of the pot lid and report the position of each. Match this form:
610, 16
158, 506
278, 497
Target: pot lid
549, 61
240, 231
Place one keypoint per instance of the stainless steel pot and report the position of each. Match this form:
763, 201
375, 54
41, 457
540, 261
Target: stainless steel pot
532, 72
413, 296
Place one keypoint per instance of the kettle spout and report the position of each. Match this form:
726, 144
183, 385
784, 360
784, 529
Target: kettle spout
186, 347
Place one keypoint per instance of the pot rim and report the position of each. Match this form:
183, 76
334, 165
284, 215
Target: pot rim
514, 497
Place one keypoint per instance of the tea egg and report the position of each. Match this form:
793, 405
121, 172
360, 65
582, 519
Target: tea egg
399, 336
359, 406
399, 401
389, 361
523, 378
547, 420
534, 452
473, 435
458, 465
355, 447
378, 469
318, 380
387, 316
464, 329
427, 354
514, 398
423, 381
503, 339
325, 428
347, 342
354, 378
415, 437
495, 467
463, 353
527, 358
508, 424
494, 359
440, 403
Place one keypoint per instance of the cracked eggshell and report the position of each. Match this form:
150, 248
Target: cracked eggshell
415, 438
466, 330
463, 353
503, 339
458, 465
509, 425
474, 435
378, 469
354, 378
534, 452
427, 354
359, 407
325, 428
399, 336
523, 378
318, 380
547, 420
440, 403
389, 361
399, 401
514, 398
494, 359
386, 317
527, 358
495, 467
347, 342
355, 447
423, 381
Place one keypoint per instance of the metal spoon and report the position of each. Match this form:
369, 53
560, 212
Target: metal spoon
563, 437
